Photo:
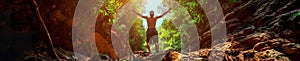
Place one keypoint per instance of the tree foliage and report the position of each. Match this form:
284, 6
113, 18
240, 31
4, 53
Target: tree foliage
169, 36
137, 36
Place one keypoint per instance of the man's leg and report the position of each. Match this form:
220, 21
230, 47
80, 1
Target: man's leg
155, 40
148, 46
147, 41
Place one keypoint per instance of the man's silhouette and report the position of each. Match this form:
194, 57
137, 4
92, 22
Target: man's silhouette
151, 31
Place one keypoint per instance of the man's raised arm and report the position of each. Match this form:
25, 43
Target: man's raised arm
164, 13
140, 14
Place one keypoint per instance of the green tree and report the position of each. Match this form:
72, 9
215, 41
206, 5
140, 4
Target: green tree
137, 36
169, 36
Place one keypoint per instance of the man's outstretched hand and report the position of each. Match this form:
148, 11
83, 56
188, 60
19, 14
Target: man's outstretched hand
139, 14
170, 8
164, 13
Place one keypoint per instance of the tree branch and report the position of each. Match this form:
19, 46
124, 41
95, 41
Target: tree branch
38, 15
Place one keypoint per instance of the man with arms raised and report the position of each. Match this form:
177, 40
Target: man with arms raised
151, 31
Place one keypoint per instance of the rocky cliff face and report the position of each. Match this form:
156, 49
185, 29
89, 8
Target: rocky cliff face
256, 27
19, 19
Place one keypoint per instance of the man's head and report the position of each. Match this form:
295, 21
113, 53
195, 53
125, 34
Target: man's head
151, 13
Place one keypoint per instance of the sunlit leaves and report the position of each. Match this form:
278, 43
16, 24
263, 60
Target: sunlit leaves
112, 1
108, 10
170, 36
234, 1
103, 12
197, 19
192, 4
296, 14
110, 21
112, 6
193, 7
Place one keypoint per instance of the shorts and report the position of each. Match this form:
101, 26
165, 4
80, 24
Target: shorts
150, 33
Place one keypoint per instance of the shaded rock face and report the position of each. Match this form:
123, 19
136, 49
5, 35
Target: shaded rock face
18, 19
251, 16
261, 26
255, 28
104, 46
18, 29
